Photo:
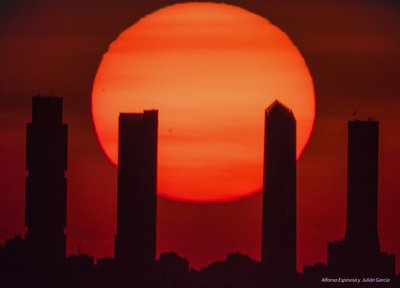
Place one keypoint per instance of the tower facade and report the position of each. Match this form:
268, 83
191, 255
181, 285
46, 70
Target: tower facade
135, 242
362, 185
278, 253
46, 184
359, 252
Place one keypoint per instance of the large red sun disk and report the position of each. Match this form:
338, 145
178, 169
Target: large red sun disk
211, 70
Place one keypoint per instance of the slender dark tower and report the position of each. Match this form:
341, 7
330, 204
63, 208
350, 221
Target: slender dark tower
359, 252
135, 242
279, 197
362, 185
46, 184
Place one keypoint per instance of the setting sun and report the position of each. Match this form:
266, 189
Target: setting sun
211, 70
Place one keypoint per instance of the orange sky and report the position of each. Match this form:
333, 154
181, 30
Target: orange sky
211, 70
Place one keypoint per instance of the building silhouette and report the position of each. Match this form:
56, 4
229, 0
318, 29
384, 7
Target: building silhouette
359, 253
39, 260
135, 242
46, 184
278, 253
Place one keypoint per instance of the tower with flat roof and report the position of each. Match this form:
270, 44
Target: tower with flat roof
135, 242
46, 184
359, 253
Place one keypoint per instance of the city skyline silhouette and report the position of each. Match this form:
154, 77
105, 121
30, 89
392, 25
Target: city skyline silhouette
43, 263
350, 48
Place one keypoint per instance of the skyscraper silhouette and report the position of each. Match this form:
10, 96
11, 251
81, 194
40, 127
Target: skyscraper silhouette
135, 242
278, 255
46, 184
359, 252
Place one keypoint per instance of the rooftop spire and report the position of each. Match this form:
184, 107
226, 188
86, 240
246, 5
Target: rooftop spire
278, 106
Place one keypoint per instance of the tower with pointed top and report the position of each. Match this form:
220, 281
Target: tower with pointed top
278, 253
135, 242
46, 184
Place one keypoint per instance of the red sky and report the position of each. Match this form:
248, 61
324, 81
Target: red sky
352, 50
